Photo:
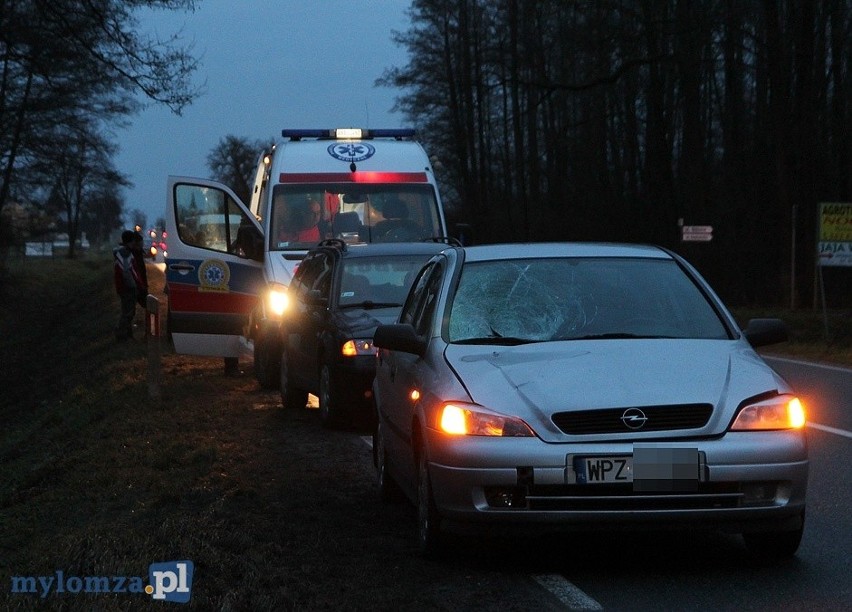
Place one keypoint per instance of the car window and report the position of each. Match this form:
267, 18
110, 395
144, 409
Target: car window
324, 276
208, 218
422, 322
569, 298
303, 214
414, 303
421, 308
384, 279
313, 272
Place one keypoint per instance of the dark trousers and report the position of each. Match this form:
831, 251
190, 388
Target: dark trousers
124, 329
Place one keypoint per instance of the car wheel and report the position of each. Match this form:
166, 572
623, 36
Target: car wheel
774, 545
266, 362
329, 402
389, 490
291, 396
428, 519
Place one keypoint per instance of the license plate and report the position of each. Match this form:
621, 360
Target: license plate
660, 469
603, 470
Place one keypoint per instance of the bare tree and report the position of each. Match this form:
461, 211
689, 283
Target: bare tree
63, 62
233, 161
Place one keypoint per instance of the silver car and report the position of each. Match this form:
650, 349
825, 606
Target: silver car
583, 386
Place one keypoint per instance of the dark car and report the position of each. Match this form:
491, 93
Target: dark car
338, 296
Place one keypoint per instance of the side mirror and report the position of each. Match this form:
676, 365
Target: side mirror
762, 332
399, 337
315, 298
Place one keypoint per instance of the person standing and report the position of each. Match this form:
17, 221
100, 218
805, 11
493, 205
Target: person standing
139, 265
127, 283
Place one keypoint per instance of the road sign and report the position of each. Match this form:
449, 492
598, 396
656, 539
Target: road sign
835, 234
697, 233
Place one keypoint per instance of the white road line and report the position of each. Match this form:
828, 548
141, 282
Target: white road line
834, 430
812, 364
566, 592
368, 440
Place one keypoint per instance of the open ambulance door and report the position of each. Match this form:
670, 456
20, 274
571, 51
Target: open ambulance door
214, 269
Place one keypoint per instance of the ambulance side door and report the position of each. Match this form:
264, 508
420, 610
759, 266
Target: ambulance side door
214, 269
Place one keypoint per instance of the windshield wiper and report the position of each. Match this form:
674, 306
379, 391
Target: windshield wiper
613, 336
369, 304
506, 340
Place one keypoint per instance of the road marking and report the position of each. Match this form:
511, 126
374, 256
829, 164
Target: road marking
566, 592
368, 440
834, 430
812, 364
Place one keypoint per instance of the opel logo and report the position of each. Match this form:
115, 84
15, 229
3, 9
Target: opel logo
633, 418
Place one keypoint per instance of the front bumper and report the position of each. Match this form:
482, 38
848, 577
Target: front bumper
747, 481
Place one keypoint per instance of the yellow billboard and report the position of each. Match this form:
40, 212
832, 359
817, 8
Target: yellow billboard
835, 234
835, 222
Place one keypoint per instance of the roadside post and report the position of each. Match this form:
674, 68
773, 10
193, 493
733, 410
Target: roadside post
152, 335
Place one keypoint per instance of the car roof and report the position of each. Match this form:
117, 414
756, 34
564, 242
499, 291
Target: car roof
385, 249
562, 249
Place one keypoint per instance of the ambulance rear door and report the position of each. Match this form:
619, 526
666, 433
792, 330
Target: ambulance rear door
214, 269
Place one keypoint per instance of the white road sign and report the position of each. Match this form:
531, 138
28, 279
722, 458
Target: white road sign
697, 233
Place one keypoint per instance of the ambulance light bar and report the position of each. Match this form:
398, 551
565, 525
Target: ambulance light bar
349, 133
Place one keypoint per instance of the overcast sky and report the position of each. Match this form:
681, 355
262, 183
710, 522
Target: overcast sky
265, 65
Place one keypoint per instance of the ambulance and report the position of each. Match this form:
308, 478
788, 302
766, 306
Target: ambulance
229, 262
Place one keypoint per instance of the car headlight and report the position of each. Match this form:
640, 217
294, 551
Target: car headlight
351, 348
277, 299
781, 412
465, 420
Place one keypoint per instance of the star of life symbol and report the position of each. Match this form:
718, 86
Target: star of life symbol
351, 151
213, 275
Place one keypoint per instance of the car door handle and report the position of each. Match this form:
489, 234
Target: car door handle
181, 267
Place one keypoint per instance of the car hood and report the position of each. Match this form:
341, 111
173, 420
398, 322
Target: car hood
534, 381
362, 323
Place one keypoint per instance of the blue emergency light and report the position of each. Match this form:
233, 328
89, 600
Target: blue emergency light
349, 133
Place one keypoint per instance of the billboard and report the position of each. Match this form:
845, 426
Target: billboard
835, 234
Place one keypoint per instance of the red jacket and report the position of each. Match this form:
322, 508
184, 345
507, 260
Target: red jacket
125, 276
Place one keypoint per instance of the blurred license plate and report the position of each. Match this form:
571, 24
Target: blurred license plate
601, 470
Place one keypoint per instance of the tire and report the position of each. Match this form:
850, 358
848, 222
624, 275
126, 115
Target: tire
774, 546
429, 539
267, 356
330, 410
389, 491
292, 398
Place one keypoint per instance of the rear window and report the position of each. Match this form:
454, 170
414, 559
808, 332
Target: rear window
379, 279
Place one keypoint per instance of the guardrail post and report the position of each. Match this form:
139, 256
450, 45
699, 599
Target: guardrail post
152, 337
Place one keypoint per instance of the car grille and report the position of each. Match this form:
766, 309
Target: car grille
622, 497
633, 419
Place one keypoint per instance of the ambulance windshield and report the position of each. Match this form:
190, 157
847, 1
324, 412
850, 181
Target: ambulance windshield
304, 214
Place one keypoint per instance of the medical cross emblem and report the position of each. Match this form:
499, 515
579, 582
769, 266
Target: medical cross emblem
351, 151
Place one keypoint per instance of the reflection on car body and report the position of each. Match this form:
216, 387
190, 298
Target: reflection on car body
582, 385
